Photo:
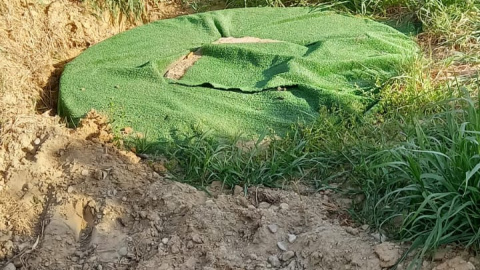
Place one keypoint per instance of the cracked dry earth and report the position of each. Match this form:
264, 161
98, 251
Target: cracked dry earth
70, 200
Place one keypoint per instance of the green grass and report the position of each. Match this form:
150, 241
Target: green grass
426, 190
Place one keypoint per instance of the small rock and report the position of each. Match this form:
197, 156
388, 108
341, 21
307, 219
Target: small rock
197, 239
292, 238
253, 257
365, 227
124, 199
273, 228
264, 205
123, 251
70, 189
284, 206
238, 190
287, 255
379, 237
274, 261
165, 241
58, 238
209, 203
388, 254
282, 246
352, 231
10, 266
99, 267
85, 172
37, 141
143, 214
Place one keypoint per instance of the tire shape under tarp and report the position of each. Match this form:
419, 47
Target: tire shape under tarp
322, 58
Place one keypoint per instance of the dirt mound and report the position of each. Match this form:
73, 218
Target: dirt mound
71, 200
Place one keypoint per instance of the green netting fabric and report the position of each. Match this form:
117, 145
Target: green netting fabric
314, 58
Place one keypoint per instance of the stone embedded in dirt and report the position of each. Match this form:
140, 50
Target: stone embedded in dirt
10, 266
264, 205
387, 253
284, 206
365, 227
209, 203
457, 263
70, 189
237, 191
253, 257
274, 261
37, 141
123, 251
287, 255
292, 238
197, 239
282, 246
165, 241
379, 237
352, 231
273, 228
85, 172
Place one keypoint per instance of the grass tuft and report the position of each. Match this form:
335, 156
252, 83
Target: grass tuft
426, 190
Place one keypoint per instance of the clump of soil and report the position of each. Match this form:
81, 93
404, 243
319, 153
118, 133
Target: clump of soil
69, 199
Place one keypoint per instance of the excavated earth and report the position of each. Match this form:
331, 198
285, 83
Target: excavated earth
69, 199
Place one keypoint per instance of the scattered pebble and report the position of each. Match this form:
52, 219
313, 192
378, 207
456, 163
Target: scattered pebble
379, 237
58, 238
209, 203
197, 239
274, 261
85, 172
124, 199
123, 251
37, 141
292, 238
165, 241
10, 266
70, 189
238, 190
282, 246
284, 206
287, 255
263, 205
253, 257
273, 228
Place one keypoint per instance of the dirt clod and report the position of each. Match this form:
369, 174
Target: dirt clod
388, 254
457, 263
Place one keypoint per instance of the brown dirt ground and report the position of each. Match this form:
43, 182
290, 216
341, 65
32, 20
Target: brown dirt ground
70, 200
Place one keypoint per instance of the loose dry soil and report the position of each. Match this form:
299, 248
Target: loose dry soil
70, 200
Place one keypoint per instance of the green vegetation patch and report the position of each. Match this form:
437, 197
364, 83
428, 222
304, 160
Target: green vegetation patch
317, 59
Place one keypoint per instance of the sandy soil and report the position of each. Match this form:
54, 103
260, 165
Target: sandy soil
70, 200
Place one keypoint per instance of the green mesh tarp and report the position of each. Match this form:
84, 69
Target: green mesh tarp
312, 59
